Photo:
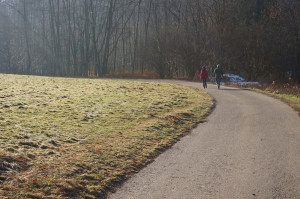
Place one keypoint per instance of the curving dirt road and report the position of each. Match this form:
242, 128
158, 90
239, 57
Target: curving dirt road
249, 148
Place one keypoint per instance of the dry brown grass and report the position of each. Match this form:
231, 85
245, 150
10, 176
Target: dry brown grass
288, 89
134, 75
63, 137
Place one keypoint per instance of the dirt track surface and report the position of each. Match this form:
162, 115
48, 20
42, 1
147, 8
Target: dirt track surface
248, 149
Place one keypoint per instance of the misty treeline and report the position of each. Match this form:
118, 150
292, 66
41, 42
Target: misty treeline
258, 39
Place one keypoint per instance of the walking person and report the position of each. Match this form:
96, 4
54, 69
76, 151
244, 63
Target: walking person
204, 76
218, 75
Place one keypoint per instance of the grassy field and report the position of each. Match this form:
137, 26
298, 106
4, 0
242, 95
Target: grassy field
63, 137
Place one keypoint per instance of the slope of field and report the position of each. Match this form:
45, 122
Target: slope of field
63, 137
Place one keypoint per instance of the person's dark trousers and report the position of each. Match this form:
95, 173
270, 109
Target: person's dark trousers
218, 82
204, 83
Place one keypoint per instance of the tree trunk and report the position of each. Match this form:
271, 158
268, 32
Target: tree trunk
108, 37
298, 58
25, 17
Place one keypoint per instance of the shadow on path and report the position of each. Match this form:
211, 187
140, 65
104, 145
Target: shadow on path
233, 89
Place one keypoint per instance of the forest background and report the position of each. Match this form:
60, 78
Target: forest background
257, 39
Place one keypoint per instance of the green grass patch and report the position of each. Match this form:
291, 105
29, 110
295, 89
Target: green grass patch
63, 137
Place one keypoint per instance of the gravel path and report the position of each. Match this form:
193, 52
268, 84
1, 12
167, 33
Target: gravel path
249, 148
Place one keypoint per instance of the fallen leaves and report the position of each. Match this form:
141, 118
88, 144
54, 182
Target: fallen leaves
98, 151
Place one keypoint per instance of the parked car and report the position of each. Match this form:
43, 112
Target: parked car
232, 78
235, 79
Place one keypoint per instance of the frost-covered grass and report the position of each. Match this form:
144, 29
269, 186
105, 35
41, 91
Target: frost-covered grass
63, 137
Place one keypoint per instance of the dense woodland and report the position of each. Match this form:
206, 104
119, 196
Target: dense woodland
258, 39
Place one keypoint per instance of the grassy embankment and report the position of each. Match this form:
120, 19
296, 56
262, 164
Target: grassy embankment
63, 137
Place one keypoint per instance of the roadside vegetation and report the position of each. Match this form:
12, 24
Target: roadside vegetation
63, 137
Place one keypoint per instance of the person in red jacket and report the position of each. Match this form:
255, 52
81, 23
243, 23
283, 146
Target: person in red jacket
204, 76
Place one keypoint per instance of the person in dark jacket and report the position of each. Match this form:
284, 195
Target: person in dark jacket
204, 76
218, 75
